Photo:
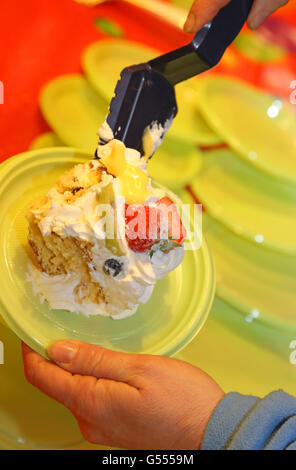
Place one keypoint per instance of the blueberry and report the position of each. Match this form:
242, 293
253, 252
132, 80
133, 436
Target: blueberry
112, 267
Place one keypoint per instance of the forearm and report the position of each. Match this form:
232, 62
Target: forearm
242, 422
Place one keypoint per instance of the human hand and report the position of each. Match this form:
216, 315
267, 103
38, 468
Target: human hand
203, 11
125, 400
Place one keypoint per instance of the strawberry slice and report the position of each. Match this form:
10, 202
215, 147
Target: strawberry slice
177, 231
144, 225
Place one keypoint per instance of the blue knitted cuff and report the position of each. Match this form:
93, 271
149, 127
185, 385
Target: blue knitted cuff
242, 422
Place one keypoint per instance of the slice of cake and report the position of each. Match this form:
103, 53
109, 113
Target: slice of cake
102, 236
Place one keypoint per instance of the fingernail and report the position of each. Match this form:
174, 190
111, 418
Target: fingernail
257, 19
62, 351
189, 23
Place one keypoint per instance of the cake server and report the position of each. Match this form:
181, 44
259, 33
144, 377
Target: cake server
145, 96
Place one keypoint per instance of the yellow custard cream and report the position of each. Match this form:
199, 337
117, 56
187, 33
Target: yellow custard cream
78, 266
134, 180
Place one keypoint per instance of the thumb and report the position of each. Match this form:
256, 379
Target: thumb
82, 358
85, 396
201, 12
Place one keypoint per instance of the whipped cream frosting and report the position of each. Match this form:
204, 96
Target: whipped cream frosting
152, 138
105, 132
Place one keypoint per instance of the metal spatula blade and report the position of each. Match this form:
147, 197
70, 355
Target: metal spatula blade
145, 95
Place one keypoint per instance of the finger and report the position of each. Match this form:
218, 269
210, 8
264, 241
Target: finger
85, 397
261, 9
202, 12
48, 377
82, 358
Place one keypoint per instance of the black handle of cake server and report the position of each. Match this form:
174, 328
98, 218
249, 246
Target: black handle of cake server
208, 45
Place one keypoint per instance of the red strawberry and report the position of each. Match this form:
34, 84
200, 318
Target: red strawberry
143, 224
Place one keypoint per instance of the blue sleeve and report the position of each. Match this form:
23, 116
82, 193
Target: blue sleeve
242, 422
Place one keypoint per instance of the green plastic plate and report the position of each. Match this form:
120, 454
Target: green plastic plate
260, 127
174, 314
74, 110
48, 139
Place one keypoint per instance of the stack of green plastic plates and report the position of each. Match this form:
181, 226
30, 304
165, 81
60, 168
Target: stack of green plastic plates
256, 281
247, 201
249, 196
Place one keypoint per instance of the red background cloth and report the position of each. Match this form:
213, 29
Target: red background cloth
41, 39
